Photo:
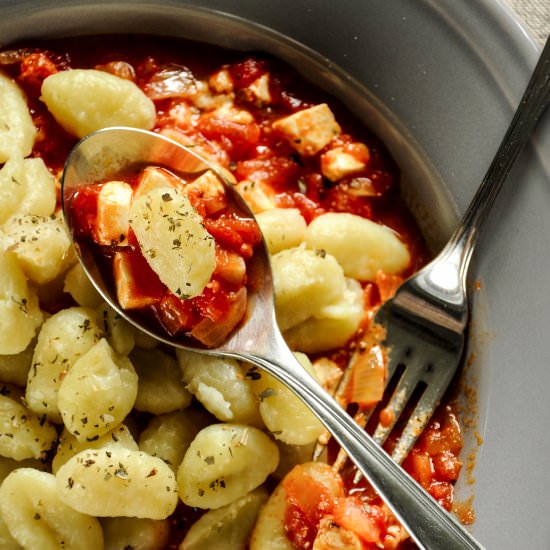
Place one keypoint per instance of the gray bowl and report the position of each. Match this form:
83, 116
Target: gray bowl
437, 81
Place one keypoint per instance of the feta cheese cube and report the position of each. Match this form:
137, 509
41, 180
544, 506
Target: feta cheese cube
339, 162
310, 130
113, 206
257, 195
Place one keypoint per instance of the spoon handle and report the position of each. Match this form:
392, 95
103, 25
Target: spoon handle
429, 524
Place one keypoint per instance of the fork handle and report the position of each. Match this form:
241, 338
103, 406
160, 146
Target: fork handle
535, 100
428, 524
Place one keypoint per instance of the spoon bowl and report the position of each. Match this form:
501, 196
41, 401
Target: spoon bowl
112, 152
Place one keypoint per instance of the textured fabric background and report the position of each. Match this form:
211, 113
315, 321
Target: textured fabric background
536, 16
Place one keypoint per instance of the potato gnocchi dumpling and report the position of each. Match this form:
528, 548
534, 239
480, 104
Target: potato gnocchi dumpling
361, 246
120, 334
174, 241
135, 533
282, 228
117, 482
63, 338
228, 527
223, 463
69, 446
17, 131
85, 100
22, 433
41, 244
305, 281
160, 388
7, 542
14, 367
26, 187
220, 384
20, 314
78, 285
37, 518
168, 436
332, 326
285, 415
97, 392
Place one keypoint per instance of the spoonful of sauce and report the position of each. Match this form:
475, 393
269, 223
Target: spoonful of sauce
144, 212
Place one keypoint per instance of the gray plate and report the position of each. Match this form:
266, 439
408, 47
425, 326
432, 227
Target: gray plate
442, 78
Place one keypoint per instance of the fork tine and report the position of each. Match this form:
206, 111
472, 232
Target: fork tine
418, 421
438, 380
399, 399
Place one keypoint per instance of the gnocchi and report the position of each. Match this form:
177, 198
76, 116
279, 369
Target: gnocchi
118, 482
119, 333
361, 246
160, 388
78, 285
223, 463
26, 188
14, 367
135, 533
63, 338
332, 326
41, 245
285, 415
17, 131
305, 281
168, 436
97, 392
228, 527
37, 518
221, 386
165, 216
68, 445
85, 100
282, 228
22, 434
20, 314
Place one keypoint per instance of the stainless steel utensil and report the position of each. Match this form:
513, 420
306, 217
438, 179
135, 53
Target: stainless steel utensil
426, 320
108, 153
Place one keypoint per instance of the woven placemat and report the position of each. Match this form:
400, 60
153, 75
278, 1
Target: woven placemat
536, 16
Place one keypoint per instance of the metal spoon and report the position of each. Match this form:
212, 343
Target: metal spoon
107, 154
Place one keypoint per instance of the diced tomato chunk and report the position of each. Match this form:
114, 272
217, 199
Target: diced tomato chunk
213, 332
446, 466
367, 521
230, 267
420, 467
234, 233
35, 68
308, 500
281, 173
84, 210
176, 315
246, 72
237, 137
442, 491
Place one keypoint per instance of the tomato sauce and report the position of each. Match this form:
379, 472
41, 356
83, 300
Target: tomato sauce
251, 150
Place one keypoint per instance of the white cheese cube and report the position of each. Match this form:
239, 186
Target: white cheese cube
257, 195
310, 130
113, 207
338, 163
260, 89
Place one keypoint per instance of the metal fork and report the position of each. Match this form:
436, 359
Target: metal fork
426, 320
